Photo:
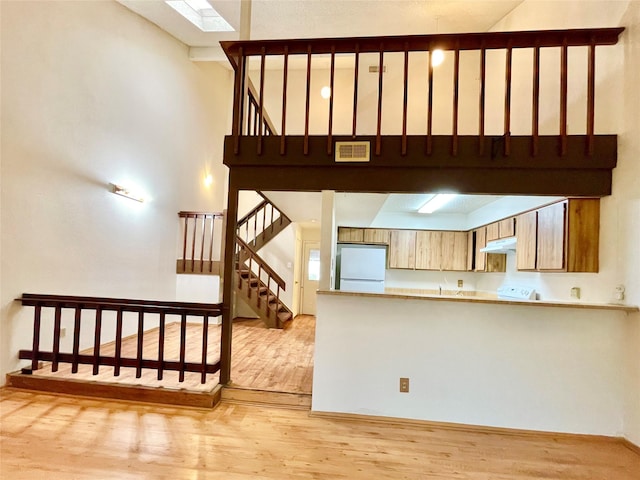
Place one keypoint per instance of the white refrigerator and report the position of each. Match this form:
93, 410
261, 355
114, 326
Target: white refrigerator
362, 269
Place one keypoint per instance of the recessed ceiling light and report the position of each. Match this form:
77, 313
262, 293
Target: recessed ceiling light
201, 14
436, 202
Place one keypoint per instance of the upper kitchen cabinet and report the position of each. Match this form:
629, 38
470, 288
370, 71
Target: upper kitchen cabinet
487, 262
568, 236
376, 235
502, 229
348, 234
527, 235
454, 250
402, 249
441, 250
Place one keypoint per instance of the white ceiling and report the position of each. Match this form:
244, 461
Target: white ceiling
272, 19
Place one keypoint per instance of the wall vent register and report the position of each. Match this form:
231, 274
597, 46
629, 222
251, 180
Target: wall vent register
514, 292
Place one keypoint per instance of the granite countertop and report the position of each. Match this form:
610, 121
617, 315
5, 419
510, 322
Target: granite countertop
478, 297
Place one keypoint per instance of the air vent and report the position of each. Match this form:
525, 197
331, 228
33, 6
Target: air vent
352, 151
376, 69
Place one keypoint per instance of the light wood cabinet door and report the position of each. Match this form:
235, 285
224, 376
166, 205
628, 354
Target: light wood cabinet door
551, 237
454, 251
348, 234
376, 235
527, 235
402, 249
493, 231
481, 242
583, 235
506, 227
429, 250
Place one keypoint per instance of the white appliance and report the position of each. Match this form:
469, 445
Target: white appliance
514, 292
504, 245
362, 269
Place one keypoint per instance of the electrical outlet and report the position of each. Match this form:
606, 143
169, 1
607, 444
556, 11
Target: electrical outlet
460, 283
575, 292
404, 385
619, 295
63, 332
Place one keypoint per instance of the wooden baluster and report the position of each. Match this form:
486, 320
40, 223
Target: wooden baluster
272, 215
35, 350
116, 368
507, 103
193, 244
456, 83
283, 145
205, 342
161, 334
380, 72
483, 85
204, 233
254, 132
259, 297
306, 115
140, 343
56, 338
430, 105
249, 277
246, 226
591, 98
238, 95
239, 252
355, 89
331, 81
249, 116
183, 345
212, 231
184, 247
563, 98
405, 99
96, 341
277, 302
535, 119
264, 218
261, 100
76, 340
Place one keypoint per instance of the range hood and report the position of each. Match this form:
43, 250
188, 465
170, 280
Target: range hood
503, 245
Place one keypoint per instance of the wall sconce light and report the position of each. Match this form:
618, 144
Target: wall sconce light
208, 180
125, 192
437, 57
325, 92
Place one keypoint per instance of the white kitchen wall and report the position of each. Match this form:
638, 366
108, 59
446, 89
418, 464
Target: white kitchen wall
538, 368
91, 94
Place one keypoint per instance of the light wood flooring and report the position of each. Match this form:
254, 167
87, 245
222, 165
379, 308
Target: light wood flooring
262, 358
61, 438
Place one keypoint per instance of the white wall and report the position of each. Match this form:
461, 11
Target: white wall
533, 368
91, 94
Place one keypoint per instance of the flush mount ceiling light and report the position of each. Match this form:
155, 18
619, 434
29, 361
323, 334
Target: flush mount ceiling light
201, 14
437, 201
125, 192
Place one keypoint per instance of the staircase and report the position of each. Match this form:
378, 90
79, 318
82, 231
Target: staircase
256, 282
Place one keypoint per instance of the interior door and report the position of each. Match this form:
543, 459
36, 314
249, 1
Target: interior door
310, 277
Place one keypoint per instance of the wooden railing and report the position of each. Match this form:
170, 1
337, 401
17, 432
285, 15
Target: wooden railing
141, 309
258, 121
310, 50
200, 232
254, 272
262, 217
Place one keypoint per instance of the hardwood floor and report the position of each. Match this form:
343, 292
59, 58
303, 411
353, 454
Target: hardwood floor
59, 438
262, 358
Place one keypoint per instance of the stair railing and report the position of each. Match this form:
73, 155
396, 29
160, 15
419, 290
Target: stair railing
259, 274
201, 231
263, 216
127, 311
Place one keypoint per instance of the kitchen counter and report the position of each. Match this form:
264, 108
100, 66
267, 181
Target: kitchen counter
476, 297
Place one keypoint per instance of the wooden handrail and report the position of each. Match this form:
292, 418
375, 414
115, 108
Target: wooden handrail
261, 262
252, 212
205, 258
120, 306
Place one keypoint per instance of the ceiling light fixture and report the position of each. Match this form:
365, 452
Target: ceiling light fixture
201, 14
436, 202
125, 192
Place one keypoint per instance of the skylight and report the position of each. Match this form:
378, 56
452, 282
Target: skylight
201, 14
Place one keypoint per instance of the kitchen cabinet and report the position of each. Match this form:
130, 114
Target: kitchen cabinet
507, 227
492, 231
441, 250
527, 235
487, 262
376, 235
568, 236
454, 251
352, 235
471, 250
402, 249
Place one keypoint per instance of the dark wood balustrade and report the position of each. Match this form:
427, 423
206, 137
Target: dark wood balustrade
201, 231
264, 219
140, 310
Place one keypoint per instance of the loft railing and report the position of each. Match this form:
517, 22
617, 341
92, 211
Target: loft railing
254, 273
240, 53
141, 310
261, 218
258, 121
202, 234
